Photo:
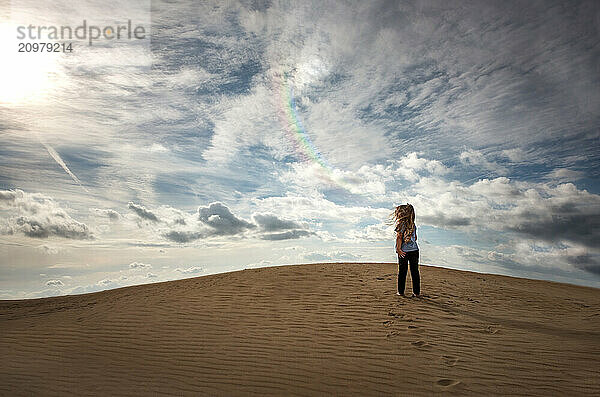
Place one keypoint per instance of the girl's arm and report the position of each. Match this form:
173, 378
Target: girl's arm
399, 245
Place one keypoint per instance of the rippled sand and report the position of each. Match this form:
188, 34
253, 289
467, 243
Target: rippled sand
316, 329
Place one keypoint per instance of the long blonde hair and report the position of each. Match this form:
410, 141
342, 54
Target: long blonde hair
404, 217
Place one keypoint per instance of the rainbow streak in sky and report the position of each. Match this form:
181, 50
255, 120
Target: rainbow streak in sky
303, 143
298, 129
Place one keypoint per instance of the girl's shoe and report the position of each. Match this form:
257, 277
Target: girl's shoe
399, 294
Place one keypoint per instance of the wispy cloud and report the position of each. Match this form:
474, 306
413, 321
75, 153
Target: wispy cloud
60, 162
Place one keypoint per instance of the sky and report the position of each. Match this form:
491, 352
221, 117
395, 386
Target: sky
244, 134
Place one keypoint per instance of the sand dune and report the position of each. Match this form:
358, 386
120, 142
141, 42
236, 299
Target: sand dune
307, 330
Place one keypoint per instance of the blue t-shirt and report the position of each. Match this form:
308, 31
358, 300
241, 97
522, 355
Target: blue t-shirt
411, 245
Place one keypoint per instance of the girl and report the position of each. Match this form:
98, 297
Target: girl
407, 248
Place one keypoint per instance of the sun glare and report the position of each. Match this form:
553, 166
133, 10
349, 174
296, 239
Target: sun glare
25, 77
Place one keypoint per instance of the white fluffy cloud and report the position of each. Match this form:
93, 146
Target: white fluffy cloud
38, 216
139, 265
537, 210
190, 270
333, 255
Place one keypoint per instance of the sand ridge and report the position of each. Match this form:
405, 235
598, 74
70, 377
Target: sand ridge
308, 330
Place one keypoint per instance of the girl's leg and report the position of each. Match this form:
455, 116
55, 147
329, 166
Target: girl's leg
402, 270
413, 257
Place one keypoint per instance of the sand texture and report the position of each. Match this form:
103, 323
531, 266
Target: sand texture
308, 330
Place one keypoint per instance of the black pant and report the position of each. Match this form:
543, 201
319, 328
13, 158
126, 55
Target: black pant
413, 258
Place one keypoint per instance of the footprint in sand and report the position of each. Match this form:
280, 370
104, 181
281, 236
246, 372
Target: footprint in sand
412, 327
392, 334
491, 330
445, 382
450, 360
421, 344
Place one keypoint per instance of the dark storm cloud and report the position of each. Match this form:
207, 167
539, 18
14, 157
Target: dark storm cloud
217, 219
271, 223
565, 222
57, 225
289, 235
586, 262
142, 212
222, 220
288, 230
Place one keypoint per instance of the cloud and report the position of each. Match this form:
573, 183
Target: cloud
157, 148
139, 265
48, 250
560, 213
217, 220
586, 262
476, 158
287, 229
142, 212
411, 166
344, 255
54, 283
561, 221
563, 175
222, 221
314, 205
271, 223
108, 213
98, 286
315, 256
38, 216
447, 221
515, 154
60, 162
334, 255
289, 235
262, 263
368, 180
378, 232
190, 270
183, 236
151, 275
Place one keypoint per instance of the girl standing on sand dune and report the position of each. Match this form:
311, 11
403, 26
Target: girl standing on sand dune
406, 247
